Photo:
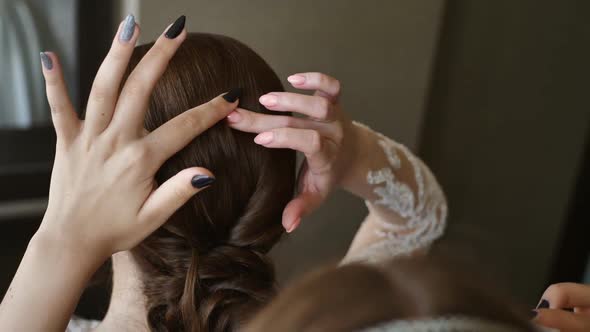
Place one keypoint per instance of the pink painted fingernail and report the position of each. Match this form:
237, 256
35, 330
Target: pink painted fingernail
294, 225
269, 100
296, 79
264, 138
234, 117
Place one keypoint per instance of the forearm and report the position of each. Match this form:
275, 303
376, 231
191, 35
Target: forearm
46, 287
407, 208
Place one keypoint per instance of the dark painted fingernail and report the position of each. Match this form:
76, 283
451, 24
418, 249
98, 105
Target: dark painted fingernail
543, 305
233, 95
46, 61
202, 181
128, 28
176, 28
533, 314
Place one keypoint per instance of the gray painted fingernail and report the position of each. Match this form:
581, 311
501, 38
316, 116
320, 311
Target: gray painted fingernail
128, 28
46, 60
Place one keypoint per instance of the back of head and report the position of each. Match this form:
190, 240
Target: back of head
206, 269
358, 296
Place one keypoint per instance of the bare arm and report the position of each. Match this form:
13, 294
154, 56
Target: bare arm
103, 196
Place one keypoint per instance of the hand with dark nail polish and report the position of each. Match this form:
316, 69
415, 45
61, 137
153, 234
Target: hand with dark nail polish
202, 181
233, 95
176, 28
544, 304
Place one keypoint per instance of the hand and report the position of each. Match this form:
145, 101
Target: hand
325, 136
557, 299
103, 197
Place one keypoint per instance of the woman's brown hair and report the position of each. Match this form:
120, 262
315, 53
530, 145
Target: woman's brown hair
206, 269
358, 296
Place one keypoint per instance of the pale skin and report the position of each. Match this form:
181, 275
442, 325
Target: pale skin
566, 296
103, 197
104, 200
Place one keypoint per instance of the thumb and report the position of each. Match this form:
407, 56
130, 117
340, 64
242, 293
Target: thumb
171, 195
562, 320
302, 205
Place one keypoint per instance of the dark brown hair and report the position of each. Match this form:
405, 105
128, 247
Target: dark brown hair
206, 269
357, 296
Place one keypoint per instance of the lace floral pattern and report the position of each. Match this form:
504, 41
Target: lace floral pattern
424, 211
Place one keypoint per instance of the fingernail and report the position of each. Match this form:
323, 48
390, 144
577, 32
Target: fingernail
533, 314
202, 181
176, 28
264, 138
233, 95
234, 117
543, 305
269, 100
293, 225
128, 28
46, 60
296, 79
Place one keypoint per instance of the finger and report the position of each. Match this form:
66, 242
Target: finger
134, 98
170, 196
299, 207
564, 321
175, 134
326, 84
103, 96
313, 106
307, 141
253, 122
65, 119
567, 295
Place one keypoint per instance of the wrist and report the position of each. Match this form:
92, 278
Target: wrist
361, 147
57, 248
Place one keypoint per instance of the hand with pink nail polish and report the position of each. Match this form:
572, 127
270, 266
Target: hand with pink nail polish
327, 138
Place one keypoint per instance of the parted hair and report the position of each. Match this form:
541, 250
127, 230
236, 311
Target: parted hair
207, 268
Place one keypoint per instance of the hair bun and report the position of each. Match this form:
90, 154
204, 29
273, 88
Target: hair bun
233, 281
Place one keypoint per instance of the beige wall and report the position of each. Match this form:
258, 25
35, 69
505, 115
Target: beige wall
381, 50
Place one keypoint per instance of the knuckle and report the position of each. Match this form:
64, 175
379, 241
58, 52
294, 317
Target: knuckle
322, 108
337, 85
138, 154
159, 51
324, 79
287, 121
100, 94
117, 54
134, 89
557, 292
57, 108
191, 121
338, 133
180, 193
315, 142
216, 103
52, 80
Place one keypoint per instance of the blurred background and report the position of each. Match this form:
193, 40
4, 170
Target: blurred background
493, 95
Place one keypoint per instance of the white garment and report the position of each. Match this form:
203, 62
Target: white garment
78, 324
404, 217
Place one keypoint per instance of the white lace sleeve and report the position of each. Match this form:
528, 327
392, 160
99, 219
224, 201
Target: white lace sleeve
408, 210
78, 324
